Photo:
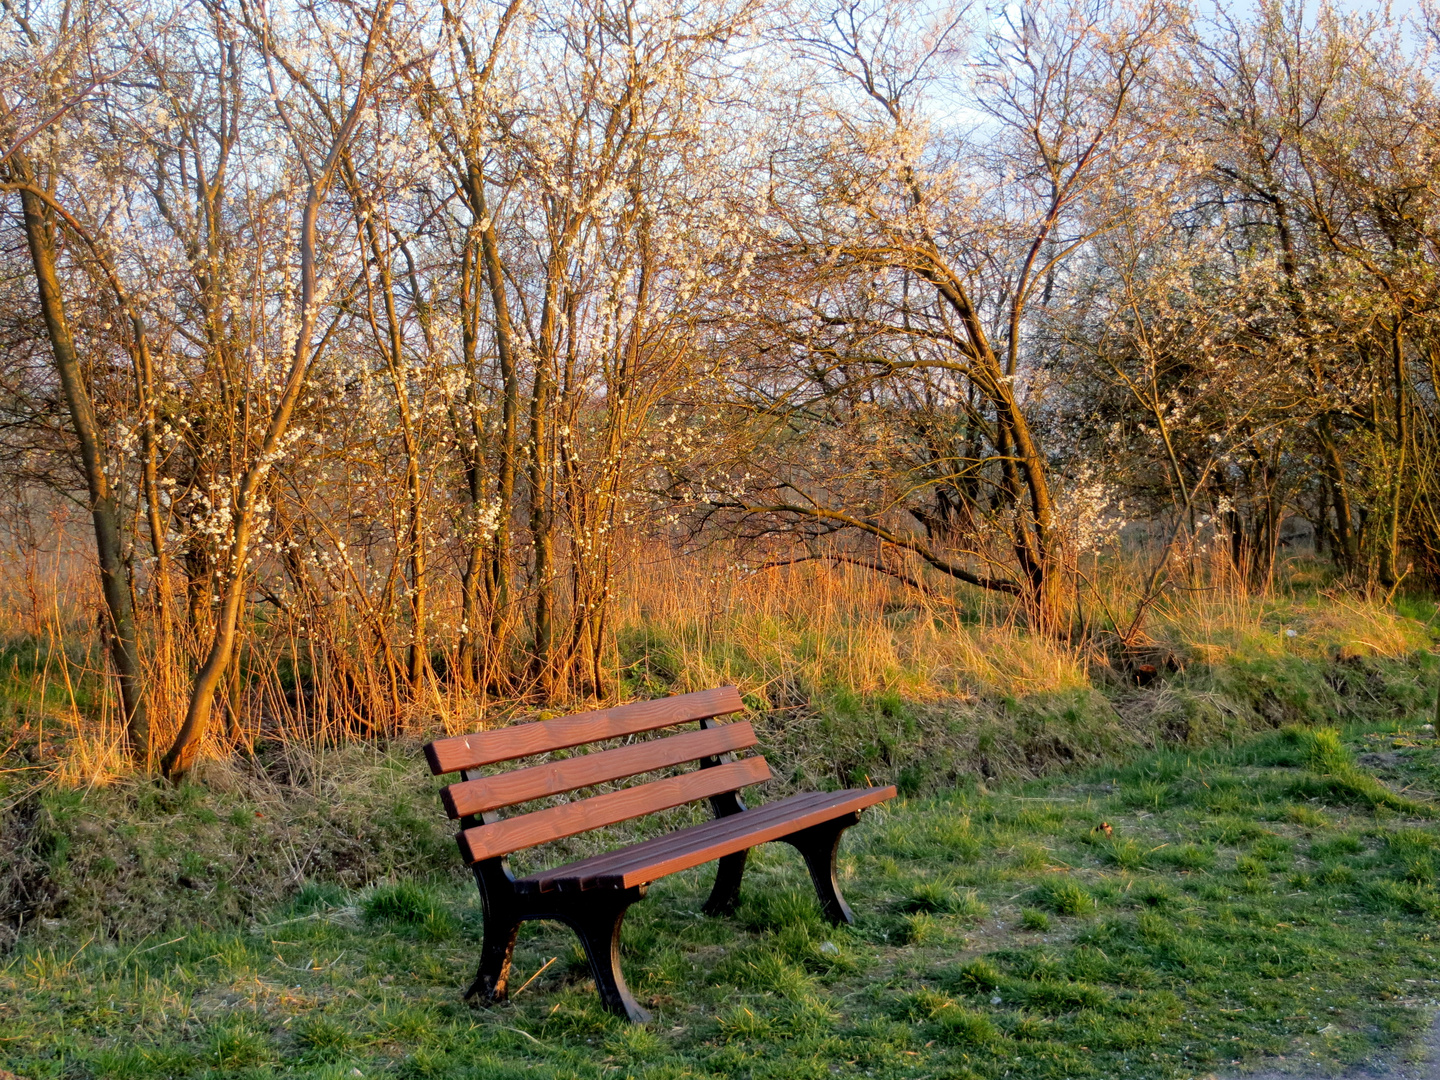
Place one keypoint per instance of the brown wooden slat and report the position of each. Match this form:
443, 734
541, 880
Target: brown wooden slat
557, 822
699, 844
787, 815
720, 828
648, 869
541, 736
735, 824
521, 785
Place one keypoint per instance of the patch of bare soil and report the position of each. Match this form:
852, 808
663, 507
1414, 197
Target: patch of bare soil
1421, 1061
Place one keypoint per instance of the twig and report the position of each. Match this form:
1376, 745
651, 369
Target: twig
853, 560
343, 909
532, 978
1396, 587
152, 948
532, 1038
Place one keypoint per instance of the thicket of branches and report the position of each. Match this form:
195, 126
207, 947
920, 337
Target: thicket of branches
370, 334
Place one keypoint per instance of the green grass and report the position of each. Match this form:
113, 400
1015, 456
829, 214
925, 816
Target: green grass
1274, 898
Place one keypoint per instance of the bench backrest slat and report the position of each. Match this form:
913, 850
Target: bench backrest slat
557, 822
555, 777
542, 736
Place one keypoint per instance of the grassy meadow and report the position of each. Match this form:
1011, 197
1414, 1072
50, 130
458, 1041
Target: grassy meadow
1233, 866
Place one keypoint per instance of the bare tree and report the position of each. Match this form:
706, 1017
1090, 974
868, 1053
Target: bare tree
918, 261
352, 68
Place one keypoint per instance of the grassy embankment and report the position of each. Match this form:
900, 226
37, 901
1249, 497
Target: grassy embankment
1273, 895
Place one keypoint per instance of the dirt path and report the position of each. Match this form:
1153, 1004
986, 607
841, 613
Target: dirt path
1421, 1061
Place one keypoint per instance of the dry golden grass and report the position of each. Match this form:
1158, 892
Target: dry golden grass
1220, 625
820, 624
817, 624
803, 641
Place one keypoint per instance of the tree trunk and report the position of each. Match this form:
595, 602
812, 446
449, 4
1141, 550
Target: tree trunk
542, 660
1346, 554
104, 507
471, 434
418, 660
499, 578
156, 514
1390, 572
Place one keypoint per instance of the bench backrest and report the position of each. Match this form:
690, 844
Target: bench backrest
482, 796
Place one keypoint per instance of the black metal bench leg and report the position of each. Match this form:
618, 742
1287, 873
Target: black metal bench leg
725, 896
502, 923
819, 845
599, 929
496, 950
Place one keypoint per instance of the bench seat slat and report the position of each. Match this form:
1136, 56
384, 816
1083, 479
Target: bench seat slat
557, 822
681, 849
555, 777
645, 868
686, 848
579, 874
542, 736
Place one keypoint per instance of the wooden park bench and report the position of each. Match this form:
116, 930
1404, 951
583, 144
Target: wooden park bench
592, 895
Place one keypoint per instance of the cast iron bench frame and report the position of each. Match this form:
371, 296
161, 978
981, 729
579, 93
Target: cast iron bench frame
592, 895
